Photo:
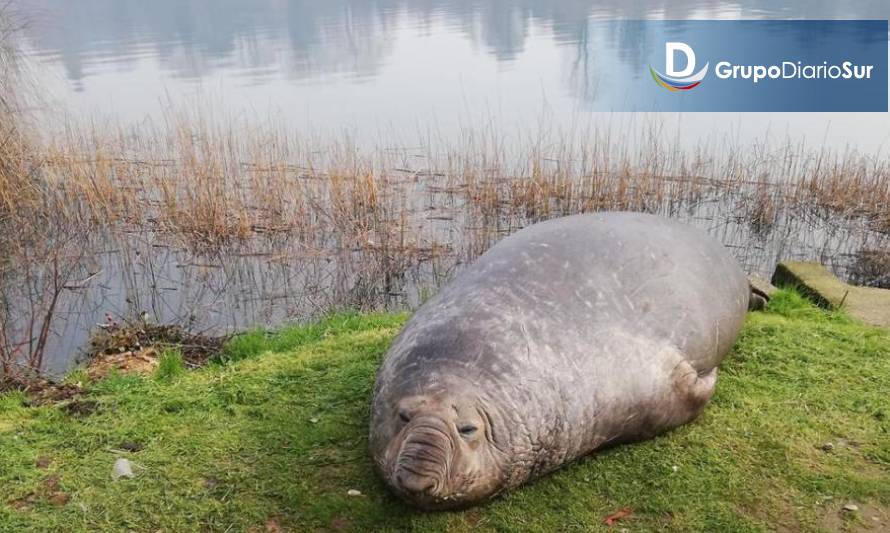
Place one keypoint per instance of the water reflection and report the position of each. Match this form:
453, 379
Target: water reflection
393, 65
193, 38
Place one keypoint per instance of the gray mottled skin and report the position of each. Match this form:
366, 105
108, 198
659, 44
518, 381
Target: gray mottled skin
565, 337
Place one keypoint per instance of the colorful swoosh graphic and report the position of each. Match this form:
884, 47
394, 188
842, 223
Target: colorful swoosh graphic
678, 84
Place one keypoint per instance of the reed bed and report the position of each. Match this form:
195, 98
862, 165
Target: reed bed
213, 185
15, 146
360, 226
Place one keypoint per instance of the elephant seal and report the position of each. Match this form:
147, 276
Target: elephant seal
565, 337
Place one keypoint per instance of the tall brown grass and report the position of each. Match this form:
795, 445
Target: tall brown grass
15, 149
212, 185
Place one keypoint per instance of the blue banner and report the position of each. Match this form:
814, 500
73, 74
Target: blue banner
747, 65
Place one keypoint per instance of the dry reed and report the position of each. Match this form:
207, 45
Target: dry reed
212, 185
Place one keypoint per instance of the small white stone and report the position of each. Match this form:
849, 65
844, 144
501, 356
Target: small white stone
353, 492
123, 468
852, 507
675, 468
313, 420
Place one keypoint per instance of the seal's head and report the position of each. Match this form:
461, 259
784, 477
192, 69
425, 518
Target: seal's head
439, 451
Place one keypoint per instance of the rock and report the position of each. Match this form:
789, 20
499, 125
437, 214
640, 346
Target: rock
123, 468
762, 285
868, 304
353, 492
757, 302
851, 507
761, 292
827, 447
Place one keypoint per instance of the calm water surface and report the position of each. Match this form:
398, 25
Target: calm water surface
390, 68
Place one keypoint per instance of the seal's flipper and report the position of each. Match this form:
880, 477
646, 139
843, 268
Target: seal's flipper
694, 389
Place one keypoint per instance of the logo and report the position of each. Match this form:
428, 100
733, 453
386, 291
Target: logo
683, 80
749, 66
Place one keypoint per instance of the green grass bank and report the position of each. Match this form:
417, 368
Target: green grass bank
274, 438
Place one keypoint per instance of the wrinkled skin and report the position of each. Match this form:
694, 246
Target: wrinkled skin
443, 451
568, 336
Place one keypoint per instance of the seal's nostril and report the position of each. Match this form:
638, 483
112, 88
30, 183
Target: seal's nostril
414, 483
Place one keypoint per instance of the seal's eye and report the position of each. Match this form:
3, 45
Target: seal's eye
404, 416
467, 430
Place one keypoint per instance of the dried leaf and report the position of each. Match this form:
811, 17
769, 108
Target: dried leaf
58, 498
272, 526
24, 503
618, 515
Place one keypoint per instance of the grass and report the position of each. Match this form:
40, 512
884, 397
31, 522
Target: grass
276, 436
170, 365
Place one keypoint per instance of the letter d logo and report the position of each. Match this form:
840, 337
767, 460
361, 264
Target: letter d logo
671, 50
682, 80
